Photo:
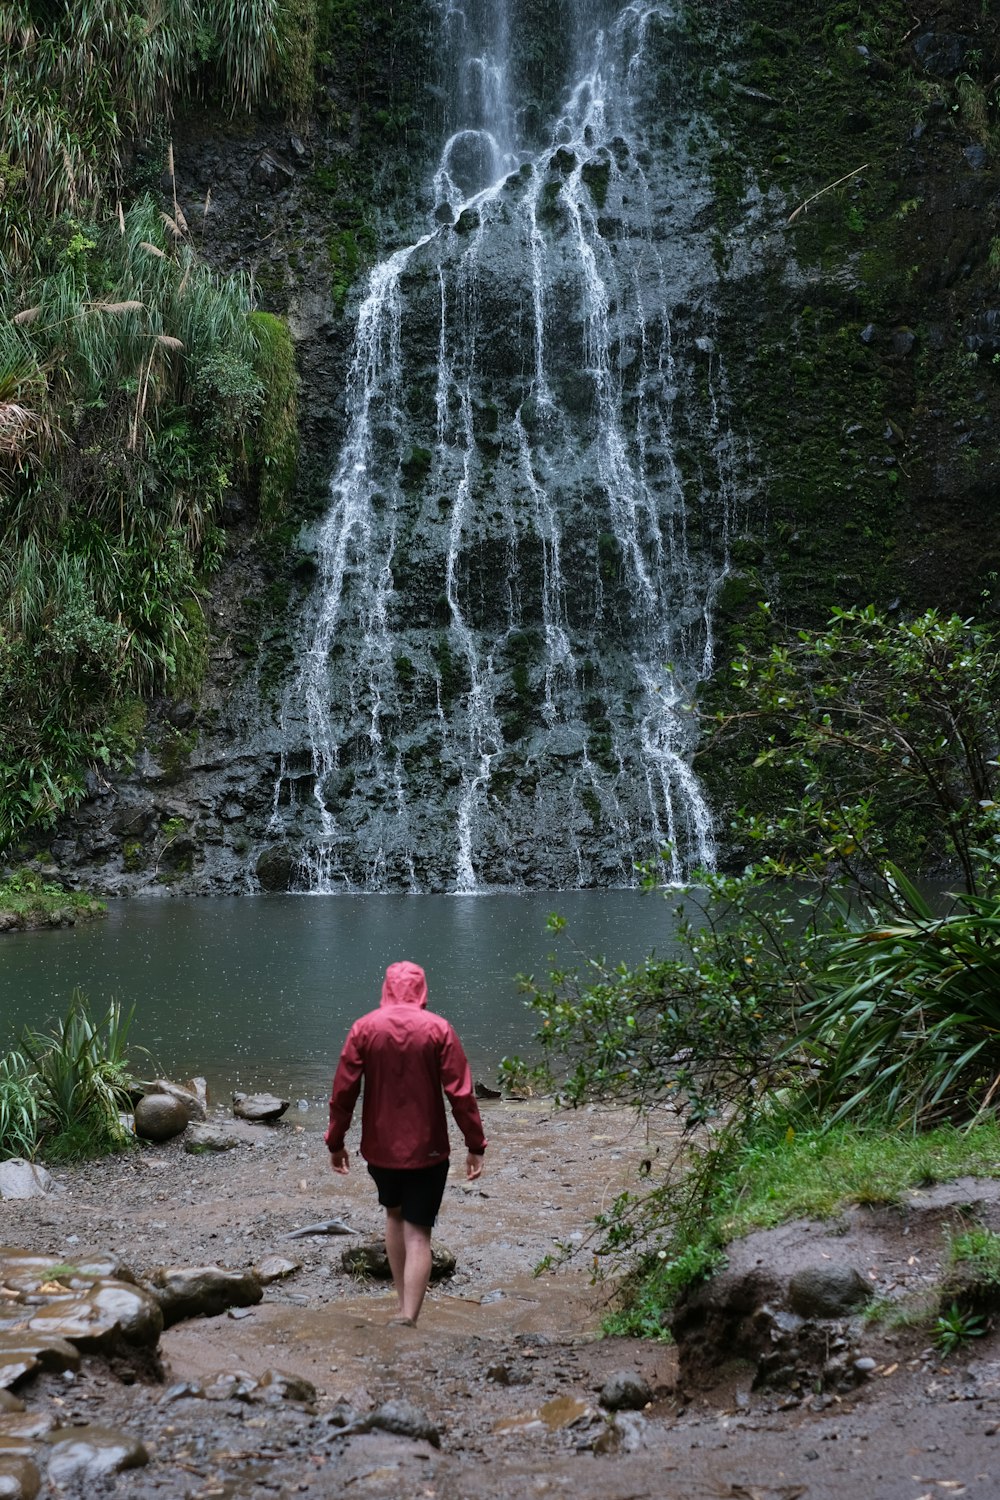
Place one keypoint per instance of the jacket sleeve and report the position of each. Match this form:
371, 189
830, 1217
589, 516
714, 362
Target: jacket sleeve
346, 1087
456, 1080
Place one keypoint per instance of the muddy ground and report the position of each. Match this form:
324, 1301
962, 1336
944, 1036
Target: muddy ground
508, 1366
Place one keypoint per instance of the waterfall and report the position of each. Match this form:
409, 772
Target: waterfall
528, 517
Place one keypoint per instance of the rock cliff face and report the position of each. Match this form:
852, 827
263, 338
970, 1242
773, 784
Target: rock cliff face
602, 389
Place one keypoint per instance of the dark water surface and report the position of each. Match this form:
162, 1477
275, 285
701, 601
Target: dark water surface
258, 992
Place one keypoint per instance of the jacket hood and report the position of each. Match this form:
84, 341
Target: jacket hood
405, 984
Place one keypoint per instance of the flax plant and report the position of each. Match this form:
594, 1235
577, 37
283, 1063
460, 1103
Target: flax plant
908, 1029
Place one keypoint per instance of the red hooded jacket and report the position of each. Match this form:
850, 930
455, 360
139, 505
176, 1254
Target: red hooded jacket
406, 1056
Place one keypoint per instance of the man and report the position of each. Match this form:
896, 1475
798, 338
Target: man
406, 1056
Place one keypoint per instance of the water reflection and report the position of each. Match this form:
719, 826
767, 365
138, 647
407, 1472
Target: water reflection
259, 992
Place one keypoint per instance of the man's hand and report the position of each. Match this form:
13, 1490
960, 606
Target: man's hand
340, 1161
473, 1166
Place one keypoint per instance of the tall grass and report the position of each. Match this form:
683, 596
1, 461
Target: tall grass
82, 1079
81, 81
18, 1108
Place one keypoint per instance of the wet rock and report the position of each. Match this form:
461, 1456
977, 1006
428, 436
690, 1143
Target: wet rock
92, 1453
403, 1419
23, 1179
9, 1402
201, 1291
159, 1117
19, 1478
277, 868
111, 1314
512, 1372
627, 1433
193, 1096
22, 1353
983, 336
260, 1108
270, 170
276, 1385
276, 1268
25, 1425
942, 54
828, 1291
625, 1391
182, 1390
371, 1260
210, 1137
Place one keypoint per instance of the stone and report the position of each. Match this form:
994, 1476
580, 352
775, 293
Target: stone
828, 1291
19, 1478
91, 1453
404, 1419
625, 1391
276, 1385
193, 1099
942, 54
25, 1425
260, 1108
201, 1291
210, 1138
23, 1179
276, 1268
371, 1260
23, 1352
270, 170
110, 1314
277, 868
159, 1117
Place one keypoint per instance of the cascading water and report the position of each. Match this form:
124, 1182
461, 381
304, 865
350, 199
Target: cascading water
527, 523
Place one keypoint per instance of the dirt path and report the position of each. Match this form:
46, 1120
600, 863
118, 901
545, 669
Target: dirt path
507, 1366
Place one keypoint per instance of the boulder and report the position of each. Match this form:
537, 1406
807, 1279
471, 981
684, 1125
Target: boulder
190, 1095
260, 1108
110, 1314
201, 1291
371, 1260
22, 1179
85, 1454
210, 1138
19, 1478
828, 1291
625, 1391
160, 1117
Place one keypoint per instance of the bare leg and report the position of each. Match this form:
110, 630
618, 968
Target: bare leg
416, 1268
395, 1249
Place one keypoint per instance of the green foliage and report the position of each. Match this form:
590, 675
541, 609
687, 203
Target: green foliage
276, 443
953, 1328
35, 901
144, 378
82, 81
875, 733
82, 1080
908, 1030
18, 1108
976, 1252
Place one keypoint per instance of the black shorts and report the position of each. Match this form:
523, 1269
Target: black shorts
417, 1192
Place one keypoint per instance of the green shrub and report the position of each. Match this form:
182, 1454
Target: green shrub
82, 1081
18, 1108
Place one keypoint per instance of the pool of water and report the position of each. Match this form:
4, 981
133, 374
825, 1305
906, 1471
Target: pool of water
258, 992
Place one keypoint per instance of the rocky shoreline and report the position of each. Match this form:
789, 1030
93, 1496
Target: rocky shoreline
298, 1385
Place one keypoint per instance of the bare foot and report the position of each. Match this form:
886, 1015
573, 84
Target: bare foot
402, 1322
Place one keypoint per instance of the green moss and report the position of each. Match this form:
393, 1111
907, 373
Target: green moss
416, 466
275, 447
298, 30
596, 175
350, 251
